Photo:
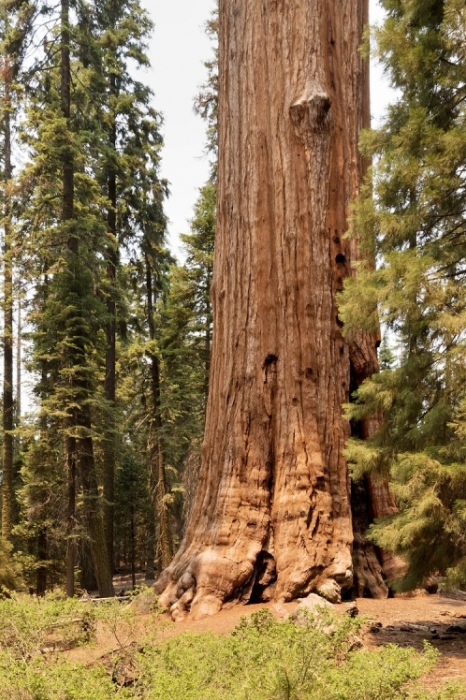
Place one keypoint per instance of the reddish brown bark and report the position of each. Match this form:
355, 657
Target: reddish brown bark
272, 515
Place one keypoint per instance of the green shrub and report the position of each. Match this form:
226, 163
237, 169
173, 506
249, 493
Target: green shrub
47, 679
267, 660
450, 691
260, 660
31, 626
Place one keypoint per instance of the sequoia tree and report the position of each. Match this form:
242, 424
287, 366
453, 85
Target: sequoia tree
272, 516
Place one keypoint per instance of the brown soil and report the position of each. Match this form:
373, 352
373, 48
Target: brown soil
434, 615
404, 620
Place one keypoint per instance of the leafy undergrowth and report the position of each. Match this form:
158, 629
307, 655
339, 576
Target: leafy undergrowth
260, 660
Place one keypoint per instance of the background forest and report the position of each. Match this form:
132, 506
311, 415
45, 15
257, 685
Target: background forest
116, 335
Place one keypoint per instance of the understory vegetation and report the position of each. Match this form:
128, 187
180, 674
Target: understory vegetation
261, 659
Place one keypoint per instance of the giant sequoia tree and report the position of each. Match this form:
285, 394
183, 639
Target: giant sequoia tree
273, 508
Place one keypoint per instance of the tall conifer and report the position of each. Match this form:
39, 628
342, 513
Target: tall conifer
15, 25
417, 210
130, 143
186, 339
65, 237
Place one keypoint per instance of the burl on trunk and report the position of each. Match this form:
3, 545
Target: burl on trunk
272, 515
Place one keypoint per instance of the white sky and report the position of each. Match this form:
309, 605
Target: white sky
177, 53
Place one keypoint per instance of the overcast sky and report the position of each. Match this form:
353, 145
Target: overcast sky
178, 49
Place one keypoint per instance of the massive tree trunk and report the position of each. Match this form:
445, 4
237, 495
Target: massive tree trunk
272, 514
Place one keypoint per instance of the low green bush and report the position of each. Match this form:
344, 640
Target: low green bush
261, 659
267, 660
52, 679
30, 627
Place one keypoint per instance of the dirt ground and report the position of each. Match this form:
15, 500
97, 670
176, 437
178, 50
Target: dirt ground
408, 621
404, 620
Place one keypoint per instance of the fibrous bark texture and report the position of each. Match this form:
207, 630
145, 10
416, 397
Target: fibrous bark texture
272, 515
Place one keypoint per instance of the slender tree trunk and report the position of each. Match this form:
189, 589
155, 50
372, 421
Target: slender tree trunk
87, 577
274, 484
70, 448
165, 551
18, 441
132, 547
92, 511
67, 217
19, 363
150, 545
109, 449
157, 476
8, 406
42, 540
110, 388
110, 359
41, 578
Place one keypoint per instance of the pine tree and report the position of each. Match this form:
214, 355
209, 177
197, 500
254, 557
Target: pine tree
65, 236
117, 33
75, 294
15, 26
186, 338
417, 209
141, 373
148, 255
186, 322
206, 102
91, 186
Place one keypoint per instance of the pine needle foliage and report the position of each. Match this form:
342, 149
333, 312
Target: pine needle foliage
187, 315
16, 18
79, 287
9, 575
410, 219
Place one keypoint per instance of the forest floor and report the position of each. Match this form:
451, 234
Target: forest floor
406, 620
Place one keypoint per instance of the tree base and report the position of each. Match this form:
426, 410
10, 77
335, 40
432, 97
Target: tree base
201, 585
